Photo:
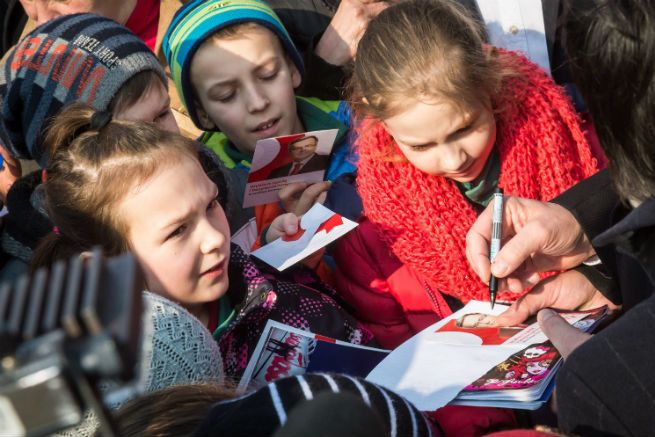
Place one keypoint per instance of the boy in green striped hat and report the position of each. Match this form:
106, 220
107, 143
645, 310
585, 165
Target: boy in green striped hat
236, 69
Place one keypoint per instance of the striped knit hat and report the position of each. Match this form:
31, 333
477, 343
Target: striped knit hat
74, 57
198, 20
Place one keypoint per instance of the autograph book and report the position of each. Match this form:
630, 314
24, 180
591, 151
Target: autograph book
466, 360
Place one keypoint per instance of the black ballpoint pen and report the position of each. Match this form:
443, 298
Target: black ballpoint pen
496, 236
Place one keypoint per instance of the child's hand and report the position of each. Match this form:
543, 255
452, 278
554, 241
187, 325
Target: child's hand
299, 197
284, 225
287, 226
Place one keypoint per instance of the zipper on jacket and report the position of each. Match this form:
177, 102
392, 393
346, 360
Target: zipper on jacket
255, 297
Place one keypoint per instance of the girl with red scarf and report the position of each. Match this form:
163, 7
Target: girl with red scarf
445, 119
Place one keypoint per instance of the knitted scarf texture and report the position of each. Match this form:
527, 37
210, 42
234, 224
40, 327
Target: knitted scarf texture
424, 219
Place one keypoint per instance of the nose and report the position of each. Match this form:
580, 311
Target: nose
212, 238
452, 158
257, 99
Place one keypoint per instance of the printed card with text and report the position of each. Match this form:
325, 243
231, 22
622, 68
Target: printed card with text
318, 228
286, 351
280, 161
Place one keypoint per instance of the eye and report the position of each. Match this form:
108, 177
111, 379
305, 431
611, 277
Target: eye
269, 75
421, 147
179, 231
213, 204
226, 98
463, 130
163, 115
224, 95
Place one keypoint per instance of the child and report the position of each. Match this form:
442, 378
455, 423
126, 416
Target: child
176, 349
130, 186
68, 59
447, 120
295, 406
236, 68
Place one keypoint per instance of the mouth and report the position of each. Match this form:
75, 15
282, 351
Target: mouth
267, 125
216, 270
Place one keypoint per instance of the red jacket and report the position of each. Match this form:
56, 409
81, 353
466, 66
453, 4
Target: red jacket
384, 293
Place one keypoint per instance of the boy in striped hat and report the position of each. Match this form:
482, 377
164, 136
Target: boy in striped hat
236, 69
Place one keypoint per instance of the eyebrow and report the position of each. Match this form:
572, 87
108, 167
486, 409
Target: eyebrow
463, 122
187, 215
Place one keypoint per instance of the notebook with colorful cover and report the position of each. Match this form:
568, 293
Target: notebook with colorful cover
285, 351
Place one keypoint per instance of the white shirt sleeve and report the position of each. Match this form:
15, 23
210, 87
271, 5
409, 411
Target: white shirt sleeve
517, 25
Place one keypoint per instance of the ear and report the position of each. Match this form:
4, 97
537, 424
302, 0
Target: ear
296, 77
206, 122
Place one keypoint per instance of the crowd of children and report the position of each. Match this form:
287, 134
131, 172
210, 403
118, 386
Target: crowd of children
431, 121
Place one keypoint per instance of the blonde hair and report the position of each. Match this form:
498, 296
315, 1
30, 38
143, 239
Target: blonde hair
427, 49
90, 170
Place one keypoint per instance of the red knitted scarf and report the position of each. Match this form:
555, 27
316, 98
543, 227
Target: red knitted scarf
425, 218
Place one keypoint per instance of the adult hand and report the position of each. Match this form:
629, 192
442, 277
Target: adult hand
11, 170
538, 237
564, 337
569, 290
299, 197
338, 44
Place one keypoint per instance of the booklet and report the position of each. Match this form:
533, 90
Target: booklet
465, 360
318, 228
285, 351
280, 161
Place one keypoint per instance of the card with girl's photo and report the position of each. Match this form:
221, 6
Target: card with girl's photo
280, 161
523, 369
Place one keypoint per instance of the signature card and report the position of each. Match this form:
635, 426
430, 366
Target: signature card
318, 228
280, 161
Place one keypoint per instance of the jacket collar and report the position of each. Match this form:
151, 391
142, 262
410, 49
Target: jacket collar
248, 286
634, 234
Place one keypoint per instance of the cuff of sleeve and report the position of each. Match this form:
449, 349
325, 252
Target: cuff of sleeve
262, 237
604, 283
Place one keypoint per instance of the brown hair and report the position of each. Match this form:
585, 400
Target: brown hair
430, 49
233, 31
172, 411
90, 170
134, 89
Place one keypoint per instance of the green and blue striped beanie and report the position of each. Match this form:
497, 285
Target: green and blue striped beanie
198, 20
79, 57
